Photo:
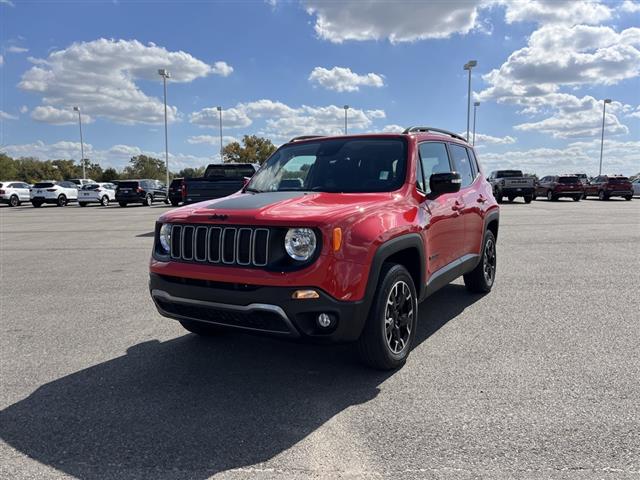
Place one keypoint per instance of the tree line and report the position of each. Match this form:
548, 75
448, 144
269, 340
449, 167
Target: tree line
30, 169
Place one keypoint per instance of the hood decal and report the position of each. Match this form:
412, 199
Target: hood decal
251, 201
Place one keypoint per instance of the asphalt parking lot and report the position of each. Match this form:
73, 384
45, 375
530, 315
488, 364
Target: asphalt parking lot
538, 379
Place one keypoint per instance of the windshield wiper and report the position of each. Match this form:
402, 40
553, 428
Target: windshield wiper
252, 190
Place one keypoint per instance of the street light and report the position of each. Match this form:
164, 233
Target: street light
475, 107
604, 108
165, 74
346, 109
468, 66
77, 109
220, 112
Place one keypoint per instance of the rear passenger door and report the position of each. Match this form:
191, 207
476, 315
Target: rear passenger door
470, 210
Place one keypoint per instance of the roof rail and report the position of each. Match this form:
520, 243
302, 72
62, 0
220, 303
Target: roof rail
304, 137
436, 130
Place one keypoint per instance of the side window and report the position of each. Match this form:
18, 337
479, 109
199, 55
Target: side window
474, 162
434, 159
462, 164
419, 177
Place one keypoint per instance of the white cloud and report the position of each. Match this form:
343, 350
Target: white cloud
57, 116
635, 113
483, 139
24, 109
16, 49
395, 21
7, 116
211, 139
7, 2
629, 7
393, 128
101, 76
1, 60
282, 121
342, 79
578, 157
570, 12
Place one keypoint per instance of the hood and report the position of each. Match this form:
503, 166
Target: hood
309, 208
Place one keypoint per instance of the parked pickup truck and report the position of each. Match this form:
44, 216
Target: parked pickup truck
219, 180
511, 184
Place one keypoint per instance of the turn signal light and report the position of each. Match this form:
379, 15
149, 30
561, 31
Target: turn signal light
336, 239
304, 294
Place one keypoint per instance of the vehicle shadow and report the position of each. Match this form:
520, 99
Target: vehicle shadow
192, 407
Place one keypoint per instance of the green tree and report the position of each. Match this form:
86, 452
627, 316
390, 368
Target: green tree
109, 174
31, 170
190, 172
254, 149
8, 168
143, 166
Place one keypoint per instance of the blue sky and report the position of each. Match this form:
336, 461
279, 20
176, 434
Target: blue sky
285, 68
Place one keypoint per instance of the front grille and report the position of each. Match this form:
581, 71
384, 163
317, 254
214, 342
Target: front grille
264, 320
241, 246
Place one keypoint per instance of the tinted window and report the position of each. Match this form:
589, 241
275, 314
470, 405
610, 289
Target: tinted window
127, 184
337, 165
175, 183
509, 173
435, 159
43, 185
474, 162
569, 180
618, 180
462, 164
229, 171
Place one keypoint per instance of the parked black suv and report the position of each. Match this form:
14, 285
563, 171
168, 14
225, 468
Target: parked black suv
140, 191
175, 191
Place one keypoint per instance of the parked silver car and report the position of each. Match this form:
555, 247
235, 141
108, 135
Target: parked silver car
14, 192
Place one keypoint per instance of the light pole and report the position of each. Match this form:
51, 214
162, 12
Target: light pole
604, 108
475, 107
221, 149
468, 66
165, 74
77, 109
346, 109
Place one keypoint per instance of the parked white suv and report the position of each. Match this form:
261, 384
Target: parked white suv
81, 182
58, 193
101, 193
14, 193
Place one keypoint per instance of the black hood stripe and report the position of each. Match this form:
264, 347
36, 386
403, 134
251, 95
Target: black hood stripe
251, 201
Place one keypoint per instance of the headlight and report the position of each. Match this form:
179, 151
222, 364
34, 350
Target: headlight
165, 238
300, 243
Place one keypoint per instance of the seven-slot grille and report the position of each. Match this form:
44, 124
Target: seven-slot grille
241, 246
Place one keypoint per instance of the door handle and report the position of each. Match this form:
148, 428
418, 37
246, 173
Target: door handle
457, 206
481, 199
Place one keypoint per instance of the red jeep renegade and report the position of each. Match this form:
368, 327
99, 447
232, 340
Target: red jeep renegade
333, 239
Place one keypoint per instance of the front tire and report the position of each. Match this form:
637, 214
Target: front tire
148, 200
528, 198
628, 198
82, 204
602, 195
104, 201
14, 201
122, 204
175, 203
201, 328
550, 196
389, 332
576, 199
482, 278
36, 204
62, 201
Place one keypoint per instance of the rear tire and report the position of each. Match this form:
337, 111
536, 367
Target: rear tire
36, 204
62, 201
550, 196
148, 200
201, 328
175, 203
628, 198
602, 195
511, 199
82, 204
388, 334
528, 198
482, 278
576, 199
104, 201
122, 204
14, 201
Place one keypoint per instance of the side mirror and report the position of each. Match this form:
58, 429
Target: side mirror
440, 183
245, 181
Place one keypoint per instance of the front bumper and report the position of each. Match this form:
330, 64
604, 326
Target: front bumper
260, 309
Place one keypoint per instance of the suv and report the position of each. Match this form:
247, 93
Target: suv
13, 193
554, 187
606, 187
176, 191
511, 184
334, 239
58, 193
140, 191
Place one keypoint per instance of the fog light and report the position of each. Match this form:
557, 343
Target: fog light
303, 294
324, 320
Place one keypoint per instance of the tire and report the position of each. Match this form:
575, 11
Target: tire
201, 328
148, 200
122, 204
386, 344
482, 278
628, 198
14, 201
584, 196
528, 198
36, 204
534, 196
511, 199
82, 204
499, 198
576, 199
175, 203
62, 201
104, 201
602, 195
166, 201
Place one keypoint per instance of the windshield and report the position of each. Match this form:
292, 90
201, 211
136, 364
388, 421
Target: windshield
128, 185
237, 172
509, 173
340, 165
568, 180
